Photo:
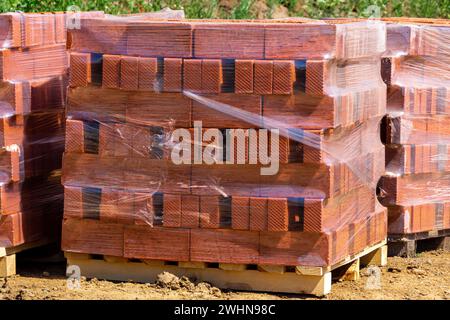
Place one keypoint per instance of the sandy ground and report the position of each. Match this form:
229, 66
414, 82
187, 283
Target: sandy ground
425, 277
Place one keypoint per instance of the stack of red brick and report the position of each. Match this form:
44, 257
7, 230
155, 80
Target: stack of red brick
135, 83
416, 68
33, 75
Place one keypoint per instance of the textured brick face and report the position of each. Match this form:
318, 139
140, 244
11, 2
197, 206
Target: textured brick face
74, 136
283, 77
258, 214
172, 74
240, 213
192, 75
263, 77
80, 69
111, 71
209, 212
278, 215
172, 211
315, 77
129, 70
190, 208
243, 76
148, 69
211, 76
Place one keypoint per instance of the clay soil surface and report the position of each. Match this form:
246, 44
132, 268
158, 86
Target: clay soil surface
425, 277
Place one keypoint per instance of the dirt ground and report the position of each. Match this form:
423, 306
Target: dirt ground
425, 277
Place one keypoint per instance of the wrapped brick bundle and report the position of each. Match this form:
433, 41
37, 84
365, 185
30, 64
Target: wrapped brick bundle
33, 85
225, 142
417, 183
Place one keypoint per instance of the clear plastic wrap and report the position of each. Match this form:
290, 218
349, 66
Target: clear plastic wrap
243, 142
416, 67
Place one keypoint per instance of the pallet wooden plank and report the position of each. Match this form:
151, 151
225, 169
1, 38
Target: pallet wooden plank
7, 266
248, 280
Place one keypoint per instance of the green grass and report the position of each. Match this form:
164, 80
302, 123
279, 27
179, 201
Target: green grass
244, 8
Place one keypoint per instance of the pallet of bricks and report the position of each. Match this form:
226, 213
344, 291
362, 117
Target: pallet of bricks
139, 198
33, 84
33, 75
417, 135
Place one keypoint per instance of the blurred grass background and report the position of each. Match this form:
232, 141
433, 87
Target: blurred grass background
246, 9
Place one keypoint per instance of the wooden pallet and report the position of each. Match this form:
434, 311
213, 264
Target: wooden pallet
8, 256
298, 279
408, 245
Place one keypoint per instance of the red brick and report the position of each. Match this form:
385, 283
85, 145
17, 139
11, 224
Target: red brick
145, 242
278, 214
107, 136
229, 41
80, 69
148, 69
192, 73
240, 213
74, 136
209, 212
111, 71
129, 73
315, 77
73, 202
262, 83
294, 248
243, 76
313, 211
216, 119
224, 246
211, 76
258, 214
108, 206
143, 209
172, 74
92, 236
283, 77
126, 207
172, 211
190, 211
